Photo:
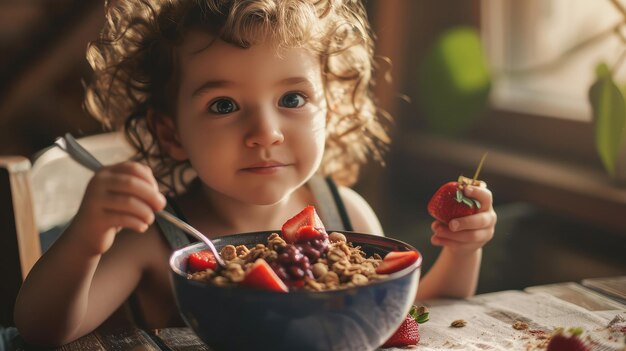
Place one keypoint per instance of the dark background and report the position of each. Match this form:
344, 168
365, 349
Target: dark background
545, 233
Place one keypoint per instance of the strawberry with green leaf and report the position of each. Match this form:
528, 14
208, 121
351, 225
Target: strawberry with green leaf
449, 201
568, 341
408, 333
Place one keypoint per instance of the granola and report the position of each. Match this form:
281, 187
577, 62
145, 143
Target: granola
459, 323
342, 266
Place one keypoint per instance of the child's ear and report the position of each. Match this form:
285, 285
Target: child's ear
166, 134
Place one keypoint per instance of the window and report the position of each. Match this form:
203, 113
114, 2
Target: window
544, 52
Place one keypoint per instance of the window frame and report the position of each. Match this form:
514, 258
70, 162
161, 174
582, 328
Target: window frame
532, 152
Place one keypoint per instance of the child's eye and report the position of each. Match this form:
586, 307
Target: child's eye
292, 100
223, 106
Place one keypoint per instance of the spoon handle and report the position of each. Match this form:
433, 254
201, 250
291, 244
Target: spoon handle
184, 226
86, 159
77, 152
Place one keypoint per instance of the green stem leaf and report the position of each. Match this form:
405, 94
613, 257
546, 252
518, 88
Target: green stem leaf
471, 203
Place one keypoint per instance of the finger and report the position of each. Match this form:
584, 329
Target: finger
435, 225
137, 169
452, 244
137, 187
127, 221
483, 195
129, 205
476, 221
441, 241
466, 236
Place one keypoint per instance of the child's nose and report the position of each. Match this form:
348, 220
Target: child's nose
265, 130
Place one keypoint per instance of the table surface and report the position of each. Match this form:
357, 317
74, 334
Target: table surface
505, 320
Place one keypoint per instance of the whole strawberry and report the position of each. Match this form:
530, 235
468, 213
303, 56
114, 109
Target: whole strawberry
408, 332
450, 202
568, 342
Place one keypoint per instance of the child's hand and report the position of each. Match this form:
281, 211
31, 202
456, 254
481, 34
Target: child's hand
124, 195
469, 233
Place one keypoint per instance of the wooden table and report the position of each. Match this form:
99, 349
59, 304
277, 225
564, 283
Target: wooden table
506, 320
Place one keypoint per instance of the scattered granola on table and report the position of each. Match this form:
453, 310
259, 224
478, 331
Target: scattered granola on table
459, 323
519, 325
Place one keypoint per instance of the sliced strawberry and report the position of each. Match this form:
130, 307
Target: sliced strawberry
261, 276
306, 217
394, 255
397, 260
200, 261
309, 232
295, 283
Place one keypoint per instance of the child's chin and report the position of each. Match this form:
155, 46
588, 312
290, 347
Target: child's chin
268, 197
267, 200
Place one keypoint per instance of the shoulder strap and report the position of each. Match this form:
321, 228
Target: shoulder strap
341, 208
175, 237
330, 206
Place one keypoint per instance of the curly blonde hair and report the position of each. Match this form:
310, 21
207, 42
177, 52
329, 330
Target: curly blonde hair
136, 69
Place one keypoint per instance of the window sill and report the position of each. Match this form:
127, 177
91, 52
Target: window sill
570, 189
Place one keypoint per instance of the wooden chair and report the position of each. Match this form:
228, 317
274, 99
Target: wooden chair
39, 198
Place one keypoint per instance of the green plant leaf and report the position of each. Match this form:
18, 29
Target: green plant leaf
454, 81
609, 117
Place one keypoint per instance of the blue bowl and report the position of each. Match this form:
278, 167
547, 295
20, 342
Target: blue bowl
239, 318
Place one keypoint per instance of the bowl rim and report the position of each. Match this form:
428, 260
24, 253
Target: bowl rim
390, 277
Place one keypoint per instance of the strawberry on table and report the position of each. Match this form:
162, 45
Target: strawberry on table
305, 218
449, 201
397, 260
201, 261
570, 341
261, 276
408, 332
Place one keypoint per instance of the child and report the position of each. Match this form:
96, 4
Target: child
233, 107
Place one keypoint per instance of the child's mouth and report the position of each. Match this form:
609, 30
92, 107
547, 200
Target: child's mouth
264, 168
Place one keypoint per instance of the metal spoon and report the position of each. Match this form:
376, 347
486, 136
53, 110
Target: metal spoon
86, 159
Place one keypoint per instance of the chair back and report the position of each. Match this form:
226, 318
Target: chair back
41, 197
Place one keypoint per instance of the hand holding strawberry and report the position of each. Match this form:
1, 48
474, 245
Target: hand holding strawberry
465, 216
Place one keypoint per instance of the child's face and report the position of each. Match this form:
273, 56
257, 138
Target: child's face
251, 122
